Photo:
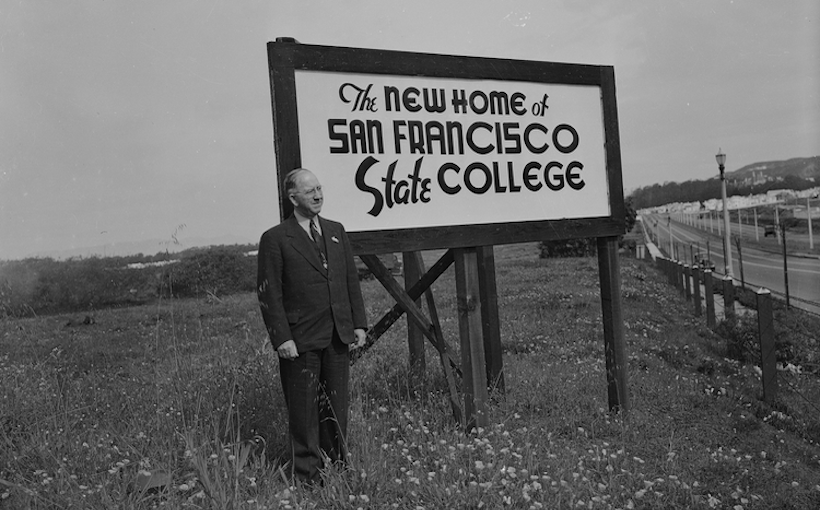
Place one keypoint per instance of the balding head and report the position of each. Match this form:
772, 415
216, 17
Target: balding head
293, 178
304, 192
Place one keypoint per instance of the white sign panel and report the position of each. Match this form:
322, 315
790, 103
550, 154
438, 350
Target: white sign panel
396, 152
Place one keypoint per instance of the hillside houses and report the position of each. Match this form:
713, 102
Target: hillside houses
734, 202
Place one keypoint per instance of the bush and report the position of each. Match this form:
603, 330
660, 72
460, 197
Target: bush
35, 286
215, 271
741, 338
567, 248
587, 247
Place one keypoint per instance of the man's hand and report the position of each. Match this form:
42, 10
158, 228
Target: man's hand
288, 350
361, 338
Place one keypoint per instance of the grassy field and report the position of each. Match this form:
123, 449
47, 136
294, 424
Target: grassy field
178, 405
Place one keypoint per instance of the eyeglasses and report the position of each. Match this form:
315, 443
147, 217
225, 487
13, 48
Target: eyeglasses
310, 193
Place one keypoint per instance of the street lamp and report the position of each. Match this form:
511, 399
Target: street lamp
727, 245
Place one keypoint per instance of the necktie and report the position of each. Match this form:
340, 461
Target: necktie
320, 244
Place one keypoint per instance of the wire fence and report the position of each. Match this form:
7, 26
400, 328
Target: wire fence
703, 252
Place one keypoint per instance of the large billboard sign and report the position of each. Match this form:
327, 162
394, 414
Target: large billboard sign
418, 151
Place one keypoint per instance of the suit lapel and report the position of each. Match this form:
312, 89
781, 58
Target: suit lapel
302, 243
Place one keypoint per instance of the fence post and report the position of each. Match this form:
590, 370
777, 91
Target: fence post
740, 258
673, 266
728, 297
710, 298
696, 289
768, 356
687, 278
679, 276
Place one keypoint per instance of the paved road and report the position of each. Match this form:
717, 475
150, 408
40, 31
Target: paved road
760, 268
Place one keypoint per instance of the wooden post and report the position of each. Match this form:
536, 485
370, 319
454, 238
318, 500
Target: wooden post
415, 336
473, 365
614, 343
728, 297
687, 279
696, 290
765, 331
782, 229
673, 272
739, 224
488, 292
710, 298
405, 303
757, 231
740, 263
444, 355
679, 277
808, 219
672, 269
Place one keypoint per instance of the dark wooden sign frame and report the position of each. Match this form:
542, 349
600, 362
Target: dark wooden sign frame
469, 247
285, 56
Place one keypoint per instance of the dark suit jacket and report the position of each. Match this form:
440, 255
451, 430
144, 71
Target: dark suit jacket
300, 299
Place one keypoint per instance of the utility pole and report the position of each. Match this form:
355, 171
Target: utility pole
727, 244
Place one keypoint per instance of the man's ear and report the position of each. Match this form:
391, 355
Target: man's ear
292, 200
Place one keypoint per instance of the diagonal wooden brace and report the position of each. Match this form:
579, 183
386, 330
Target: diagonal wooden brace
405, 302
443, 353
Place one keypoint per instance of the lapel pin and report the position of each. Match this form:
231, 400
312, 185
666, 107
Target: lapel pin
334, 239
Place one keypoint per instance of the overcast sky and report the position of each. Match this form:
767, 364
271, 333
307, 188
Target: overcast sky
121, 120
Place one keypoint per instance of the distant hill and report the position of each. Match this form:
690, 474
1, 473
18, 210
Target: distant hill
795, 173
146, 247
805, 168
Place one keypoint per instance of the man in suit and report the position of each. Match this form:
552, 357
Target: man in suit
311, 301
